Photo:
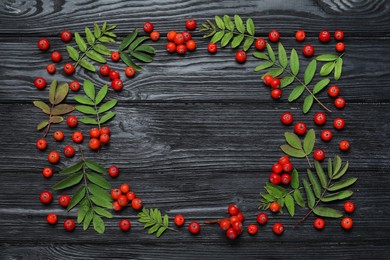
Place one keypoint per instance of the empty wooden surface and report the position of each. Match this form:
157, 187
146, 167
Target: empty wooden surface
197, 132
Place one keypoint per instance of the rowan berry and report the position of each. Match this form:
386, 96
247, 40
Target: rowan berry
47, 172
240, 56
212, 48
130, 72
187, 36
308, 50
190, 24
52, 218
274, 207
116, 206
104, 139
51, 68
43, 44
58, 135
274, 178
136, 204
113, 171
319, 223
241, 216
179, 220
130, 195
287, 167
46, 197
262, 218
69, 68
105, 130
324, 36
77, 137
339, 123
94, 132
171, 47
115, 193
275, 83
339, 35
125, 187
122, 200
234, 219
300, 35
273, 36
181, 49
278, 228
326, 135
66, 36
117, 84
252, 229
333, 91
171, 36
233, 210
231, 234
300, 128
69, 151
124, 224
148, 27
319, 155
344, 145
339, 102
41, 144
74, 86
237, 226
276, 93
69, 224
224, 224
113, 74
53, 157
346, 223
277, 168
320, 118
284, 160
104, 70
40, 83
64, 200
72, 121
267, 79
260, 44
194, 228
349, 207
287, 118
155, 36
340, 46
115, 56
94, 144
179, 39
191, 45
56, 56
286, 178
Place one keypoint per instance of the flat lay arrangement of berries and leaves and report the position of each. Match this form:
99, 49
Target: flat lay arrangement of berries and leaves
280, 69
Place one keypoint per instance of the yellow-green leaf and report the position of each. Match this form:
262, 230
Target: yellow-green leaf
84, 100
43, 106
338, 68
101, 94
260, 55
294, 179
42, 125
108, 105
52, 92
298, 198
341, 172
327, 57
228, 22
327, 68
107, 117
87, 65
61, 92
226, 39
248, 43
96, 31
264, 65
219, 22
88, 121
250, 27
90, 36
271, 53
100, 48
62, 109
86, 110
286, 81
239, 24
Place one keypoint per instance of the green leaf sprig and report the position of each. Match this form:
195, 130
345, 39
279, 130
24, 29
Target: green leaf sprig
91, 105
57, 95
93, 48
153, 219
92, 197
136, 50
296, 148
225, 31
333, 63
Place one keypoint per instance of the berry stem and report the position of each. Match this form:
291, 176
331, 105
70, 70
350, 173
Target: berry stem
214, 221
308, 161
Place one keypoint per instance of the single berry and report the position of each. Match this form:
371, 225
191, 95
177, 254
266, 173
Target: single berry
333, 91
284, 160
276, 93
262, 218
94, 144
113, 74
148, 27
171, 36
324, 36
237, 226
51, 68
319, 223
179, 220
252, 229
116, 206
115, 56
130, 72
241, 216
320, 118
339, 35
155, 36
286, 178
349, 207
339, 102
267, 79
52, 218
125, 187
181, 49
300, 35
233, 210
77, 137
212, 48
43, 44
300, 128
340, 46
275, 83
278, 228
122, 200
273, 36
74, 86
136, 204
240, 56
130, 195
171, 47
113, 171
274, 207
64, 200
277, 168
308, 50
40, 83
224, 224
339, 123
69, 151
69, 68
56, 56
260, 44
53, 157
124, 224
104, 138
344, 145
105, 130
47, 172
94, 132
41, 144
194, 228
287, 118
346, 223
115, 193
326, 135
72, 121
187, 36
274, 178
69, 224
104, 70
117, 84
319, 155
190, 24
46, 197
231, 234
191, 45
287, 167
234, 219
179, 39
66, 36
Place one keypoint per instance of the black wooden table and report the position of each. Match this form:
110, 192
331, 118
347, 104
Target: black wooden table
197, 132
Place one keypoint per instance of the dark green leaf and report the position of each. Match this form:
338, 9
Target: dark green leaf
320, 173
341, 172
338, 68
281, 202
96, 31
72, 169
293, 140
226, 39
336, 165
102, 212
76, 198
228, 22
307, 103
101, 94
219, 22
99, 192
320, 85
89, 89
271, 53
52, 92
89, 35
298, 198
141, 56
61, 93
239, 24
61, 109
287, 149
342, 184
310, 71
137, 42
101, 202
260, 55
290, 205
80, 42
273, 191
327, 57
286, 81
296, 93
69, 181
248, 43
73, 53
282, 55
43, 106
83, 100
93, 55
98, 224
309, 194
309, 141
337, 196
327, 212
294, 179
294, 62
327, 68
87, 65
128, 40
250, 27
88, 121
107, 117
314, 183
127, 60
146, 48
100, 48
330, 172
108, 105
56, 119
88, 218
95, 167
42, 125
237, 40
82, 212
264, 65
98, 180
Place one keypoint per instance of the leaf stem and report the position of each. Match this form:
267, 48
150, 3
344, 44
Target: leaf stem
308, 161
97, 116
49, 122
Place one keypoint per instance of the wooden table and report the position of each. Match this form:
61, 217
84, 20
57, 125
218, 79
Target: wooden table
197, 132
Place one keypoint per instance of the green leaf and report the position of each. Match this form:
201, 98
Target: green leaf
239, 24
128, 40
320, 173
341, 172
320, 85
336, 165
127, 60
88, 218
314, 182
61, 109
290, 205
93, 55
342, 184
293, 140
327, 212
282, 55
83, 100
76, 198
146, 48
248, 43
72, 169
327, 68
298, 198
86, 110
275, 72
89, 35
101, 202
327, 57
106, 39
88, 121
61, 93
330, 172
294, 62
141, 56
89, 89
52, 92
101, 94
260, 55
43, 106
102, 212
69, 181
264, 65
268, 197
275, 190
307, 103
154, 229
338, 68
287, 149
250, 27
108, 105
286, 81
310, 71
80, 42
56, 119
96, 31
160, 231
296, 93
42, 125
87, 65
309, 141
237, 40
107, 117
98, 224
73, 53
99, 192
95, 167
110, 34
219, 22
226, 39
228, 22
337, 196
309, 194
271, 53
104, 27
82, 212
294, 179
100, 48
98, 180
137, 42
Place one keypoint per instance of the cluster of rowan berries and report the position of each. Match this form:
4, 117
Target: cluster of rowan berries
123, 197
281, 171
180, 42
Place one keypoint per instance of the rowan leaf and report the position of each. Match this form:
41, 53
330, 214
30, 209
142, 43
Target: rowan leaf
73, 53
101, 95
286, 81
160, 231
337, 196
341, 172
275, 72
43, 106
56, 119
327, 212
127, 60
282, 55
327, 57
76, 198
88, 219
86, 110
95, 167
42, 125
294, 62
338, 68
320, 173
98, 180
60, 93
309, 141
314, 183
89, 89
83, 100
146, 48
250, 26
264, 65
100, 202
93, 55
294, 179
88, 121
219, 22
291, 151
290, 205
248, 43
307, 103
310, 71
293, 140
226, 39
320, 85
69, 181
327, 68
137, 42
237, 40
102, 212
336, 165
309, 194
342, 184
260, 55
82, 212
141, 56
330, 170
72, 169
99, 192
271, 53
98, 224
107, 117
61, 109
52, 91
298, 198
228, 23
296, 93
96, 31
128, 40
90, 37
107, 106
268, 197
80, 42
87, 65
239, 24
106, 39
100, 48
